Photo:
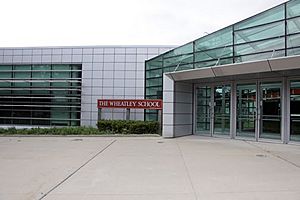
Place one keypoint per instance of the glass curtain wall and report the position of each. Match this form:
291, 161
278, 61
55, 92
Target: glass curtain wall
270, 34
47, 95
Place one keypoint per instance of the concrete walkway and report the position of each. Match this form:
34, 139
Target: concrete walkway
187, 168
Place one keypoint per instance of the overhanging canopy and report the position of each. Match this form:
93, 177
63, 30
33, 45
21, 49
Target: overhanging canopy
268, 65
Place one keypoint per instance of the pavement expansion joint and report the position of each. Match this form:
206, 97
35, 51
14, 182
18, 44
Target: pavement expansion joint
73, 173
273, 154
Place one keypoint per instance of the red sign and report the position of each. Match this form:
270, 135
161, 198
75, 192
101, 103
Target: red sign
151, 104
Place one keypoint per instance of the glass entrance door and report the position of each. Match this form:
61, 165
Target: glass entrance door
295, 111
246, 110
213, 110
203, 110
270, 109
221, 111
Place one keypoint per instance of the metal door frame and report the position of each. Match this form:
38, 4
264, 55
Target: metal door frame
212, 110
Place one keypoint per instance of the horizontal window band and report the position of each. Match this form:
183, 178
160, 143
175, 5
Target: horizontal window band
34, 118
41, 106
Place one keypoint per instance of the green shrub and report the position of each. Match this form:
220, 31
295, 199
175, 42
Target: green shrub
52, 131
104, 127
128, 127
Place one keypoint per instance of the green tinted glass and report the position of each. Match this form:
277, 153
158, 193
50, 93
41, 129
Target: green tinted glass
154, 63
268, 16
153, 90
153, 73
5, 68
185, 67
259, 33
178, 60
22, 67
220, 38
294, 51
293, 41
169, 69
31, 86
256, 47
5, 72
260, 56
185, 49
293, 8
213, 54
154, 82
41, 67
206, 64
293, 25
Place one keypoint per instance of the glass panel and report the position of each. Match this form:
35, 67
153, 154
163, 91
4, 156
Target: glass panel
178, 60
294, 51
221, 38
293, 8
154, 82
154, 63
5, 72
185, 49
295, 111
22, 67
41, 67
293, 25
61, 67
268, 16
206, 64
29, 88
203, 115
256, 47
259, 33
169, 69
246, 110
222, 110
293, 41
213, 54
154, 91
270, 110
75, 67
185, 67
260, 56
151, 115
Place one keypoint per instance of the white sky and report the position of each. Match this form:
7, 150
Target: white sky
118, 22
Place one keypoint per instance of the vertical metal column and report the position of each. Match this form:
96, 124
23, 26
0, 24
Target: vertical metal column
240, 111
127, 113
233, 105
285, 127
223, 110
288, 111
258, 111
212, 110
195, 110
99, 113
159, 119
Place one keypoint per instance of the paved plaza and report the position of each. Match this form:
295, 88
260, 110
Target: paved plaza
147, 168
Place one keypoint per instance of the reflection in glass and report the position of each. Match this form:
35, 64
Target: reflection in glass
246, 110
270, 110
222, 110
295, 111
203, 110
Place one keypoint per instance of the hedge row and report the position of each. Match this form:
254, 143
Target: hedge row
128, 127
52, 131
105, 127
